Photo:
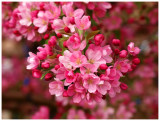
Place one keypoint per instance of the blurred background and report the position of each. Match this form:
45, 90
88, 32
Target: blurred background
23, 95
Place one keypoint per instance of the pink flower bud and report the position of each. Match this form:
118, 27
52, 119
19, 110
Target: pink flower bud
89, 17
48, 76
45, 65
123, 86
36, 28
16, 32
136, 61
57, 67
65, 94
41, 6
65, 44
41, 55
98, 39
67, 30
52, 41
36, 73
133, 66
116, 42
46, 36
116, 51
94, 28
34, 13
58, 55
123, 54
103, 66
72, 20
59, 35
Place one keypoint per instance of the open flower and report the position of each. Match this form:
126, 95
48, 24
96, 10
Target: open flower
33, 61
41, 22
90, 82
74, 43
77, 59
56, 87
83, 23
133, 50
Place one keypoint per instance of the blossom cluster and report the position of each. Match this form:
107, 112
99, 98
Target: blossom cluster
82, 64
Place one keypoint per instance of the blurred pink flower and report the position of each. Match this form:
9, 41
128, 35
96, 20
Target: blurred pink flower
33, 61
133, 50
43, 113
73, 114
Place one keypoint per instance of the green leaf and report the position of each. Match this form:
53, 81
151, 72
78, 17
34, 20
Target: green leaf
43, 75
61, 43
92, 34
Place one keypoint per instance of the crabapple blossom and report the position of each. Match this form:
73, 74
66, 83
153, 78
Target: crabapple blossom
56, 87
83, 23
41, 22
133, 50
33, 61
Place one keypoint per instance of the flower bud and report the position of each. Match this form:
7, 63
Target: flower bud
89, 17
98, 39
116, 42
136, 61
123, 86
133, 66
46, 36
59, 35
16, 32
65, 44
36, 73
67, 30
52, 41
116, 51
65, 94
57, 67
94, 28
103, 66
123, 54
58, 55
48, 76
36, 28
45, 65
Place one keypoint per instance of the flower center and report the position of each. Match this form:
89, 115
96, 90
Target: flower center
78, 61
91, 61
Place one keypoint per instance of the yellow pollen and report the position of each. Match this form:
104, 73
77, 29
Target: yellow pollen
91, 61
118, 67
90, 81
88, 71
78, 61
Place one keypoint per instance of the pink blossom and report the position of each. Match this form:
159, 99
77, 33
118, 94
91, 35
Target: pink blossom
69, 11
103, 86
59, 24
77, 59
77, 93
133, 50
90, 82
65, 59
115, 88
87, 69
43, 113
153, 16
73, 114
74, 43
52, 11
94, 57
83, 23
70, 77
33, 61
56, 87
123, 113
111, 74
60, 72
122, 66
26, 18
28, 32
93, 97
112, 23
41, 22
